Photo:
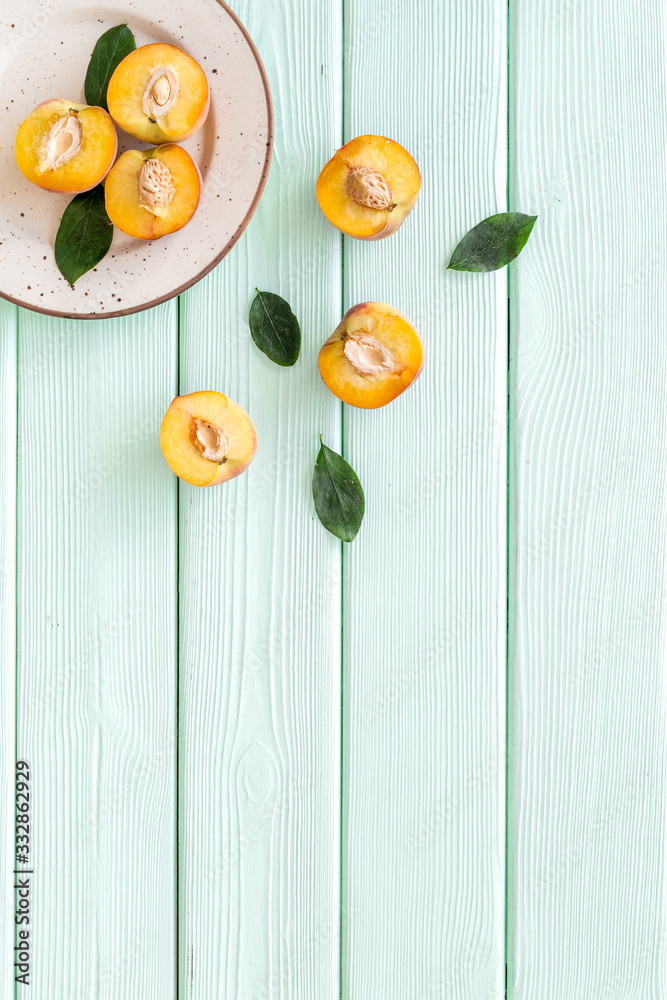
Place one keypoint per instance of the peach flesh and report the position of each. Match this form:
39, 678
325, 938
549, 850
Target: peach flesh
158, 94
369, 187
66, 147
372, 357
152, 192
207, 439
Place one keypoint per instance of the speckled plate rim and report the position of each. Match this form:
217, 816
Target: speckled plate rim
62, 314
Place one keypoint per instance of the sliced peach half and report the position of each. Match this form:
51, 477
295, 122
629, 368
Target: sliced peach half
207, 439
372, 356
65, 146
158, 93
368, 187
150, 193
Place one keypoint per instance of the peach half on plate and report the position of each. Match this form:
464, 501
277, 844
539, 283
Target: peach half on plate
158, 93
207, 438
372, 356
150, 193
368, 187
64, 146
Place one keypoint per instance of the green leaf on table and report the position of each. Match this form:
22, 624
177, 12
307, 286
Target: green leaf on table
84, 235
111, 48
275, 329
493, 243
338, 495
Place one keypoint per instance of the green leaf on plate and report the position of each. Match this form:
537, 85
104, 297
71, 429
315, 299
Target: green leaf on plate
338, 495
84, 235
111, 48
493, 243
275, 328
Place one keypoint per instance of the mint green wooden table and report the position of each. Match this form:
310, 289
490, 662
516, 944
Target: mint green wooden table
267, 767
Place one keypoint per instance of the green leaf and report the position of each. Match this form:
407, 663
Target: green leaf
338, 495
493, 243
84, 235
275, 328
111, 48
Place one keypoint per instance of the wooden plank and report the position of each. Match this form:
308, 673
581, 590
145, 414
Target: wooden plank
96, 680
259, 759
8, 327
588, 824
424, 609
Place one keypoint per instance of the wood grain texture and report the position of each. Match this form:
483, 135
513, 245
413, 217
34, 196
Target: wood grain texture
424, 607
96, 672
8, 328
259, 761
587, 804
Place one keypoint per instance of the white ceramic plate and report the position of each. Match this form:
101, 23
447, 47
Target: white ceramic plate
46, 47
